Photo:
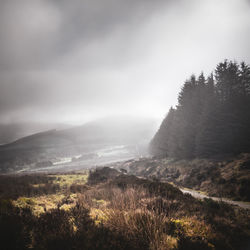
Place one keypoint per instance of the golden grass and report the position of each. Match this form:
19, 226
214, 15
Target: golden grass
42, 203
133, 212
194, 227
65, 180
39, 204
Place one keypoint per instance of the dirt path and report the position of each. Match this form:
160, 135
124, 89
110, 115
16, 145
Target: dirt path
198, 195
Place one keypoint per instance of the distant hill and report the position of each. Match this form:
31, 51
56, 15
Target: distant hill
14, 131
43, 146
123, 130
114, 130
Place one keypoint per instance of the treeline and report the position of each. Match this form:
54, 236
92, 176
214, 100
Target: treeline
212, 116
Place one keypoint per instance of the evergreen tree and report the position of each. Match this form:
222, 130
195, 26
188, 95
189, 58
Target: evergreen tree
160, 144
212, 115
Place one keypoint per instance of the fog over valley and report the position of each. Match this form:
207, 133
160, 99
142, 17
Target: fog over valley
95, 62
124, 124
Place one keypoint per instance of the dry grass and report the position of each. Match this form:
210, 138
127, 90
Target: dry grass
126, 212
65, 180
141, 213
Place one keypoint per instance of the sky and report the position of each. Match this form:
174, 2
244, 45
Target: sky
75, 61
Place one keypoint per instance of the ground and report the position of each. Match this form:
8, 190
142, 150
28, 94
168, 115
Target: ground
107, 208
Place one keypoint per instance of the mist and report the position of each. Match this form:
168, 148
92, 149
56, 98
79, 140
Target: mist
76, 61
125, 124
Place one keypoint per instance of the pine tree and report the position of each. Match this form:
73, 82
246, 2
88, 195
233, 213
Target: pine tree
212, 115
160, 144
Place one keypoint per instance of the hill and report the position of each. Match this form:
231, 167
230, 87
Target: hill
10, 132
104, 131
85, 139
223, 176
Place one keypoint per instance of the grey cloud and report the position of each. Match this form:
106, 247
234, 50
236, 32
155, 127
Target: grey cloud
34, 33
81, 59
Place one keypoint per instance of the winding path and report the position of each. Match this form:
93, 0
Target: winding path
196, 194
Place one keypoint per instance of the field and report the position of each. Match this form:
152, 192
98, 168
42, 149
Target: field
105, 209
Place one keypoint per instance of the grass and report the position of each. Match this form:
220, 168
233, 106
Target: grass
122, 212
225, 176
39, 204
54, 191
66, 180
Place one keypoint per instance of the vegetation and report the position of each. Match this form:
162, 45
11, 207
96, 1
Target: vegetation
42, 192
110, 209
212, 116
113, 211
220, 177
42, 149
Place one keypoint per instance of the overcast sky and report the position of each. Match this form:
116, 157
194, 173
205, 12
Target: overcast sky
73, 61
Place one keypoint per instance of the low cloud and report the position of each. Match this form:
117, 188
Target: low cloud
73, 61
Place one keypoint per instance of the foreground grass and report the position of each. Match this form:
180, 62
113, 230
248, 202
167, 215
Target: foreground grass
40, 193
113, 211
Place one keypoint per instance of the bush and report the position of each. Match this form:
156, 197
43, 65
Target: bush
15, 226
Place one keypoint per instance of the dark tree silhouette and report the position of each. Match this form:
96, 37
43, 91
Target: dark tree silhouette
212, 116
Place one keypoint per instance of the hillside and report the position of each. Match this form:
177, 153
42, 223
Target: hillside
110, 210
80, 140
109, 130
223, 176
10, 132
204, 142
